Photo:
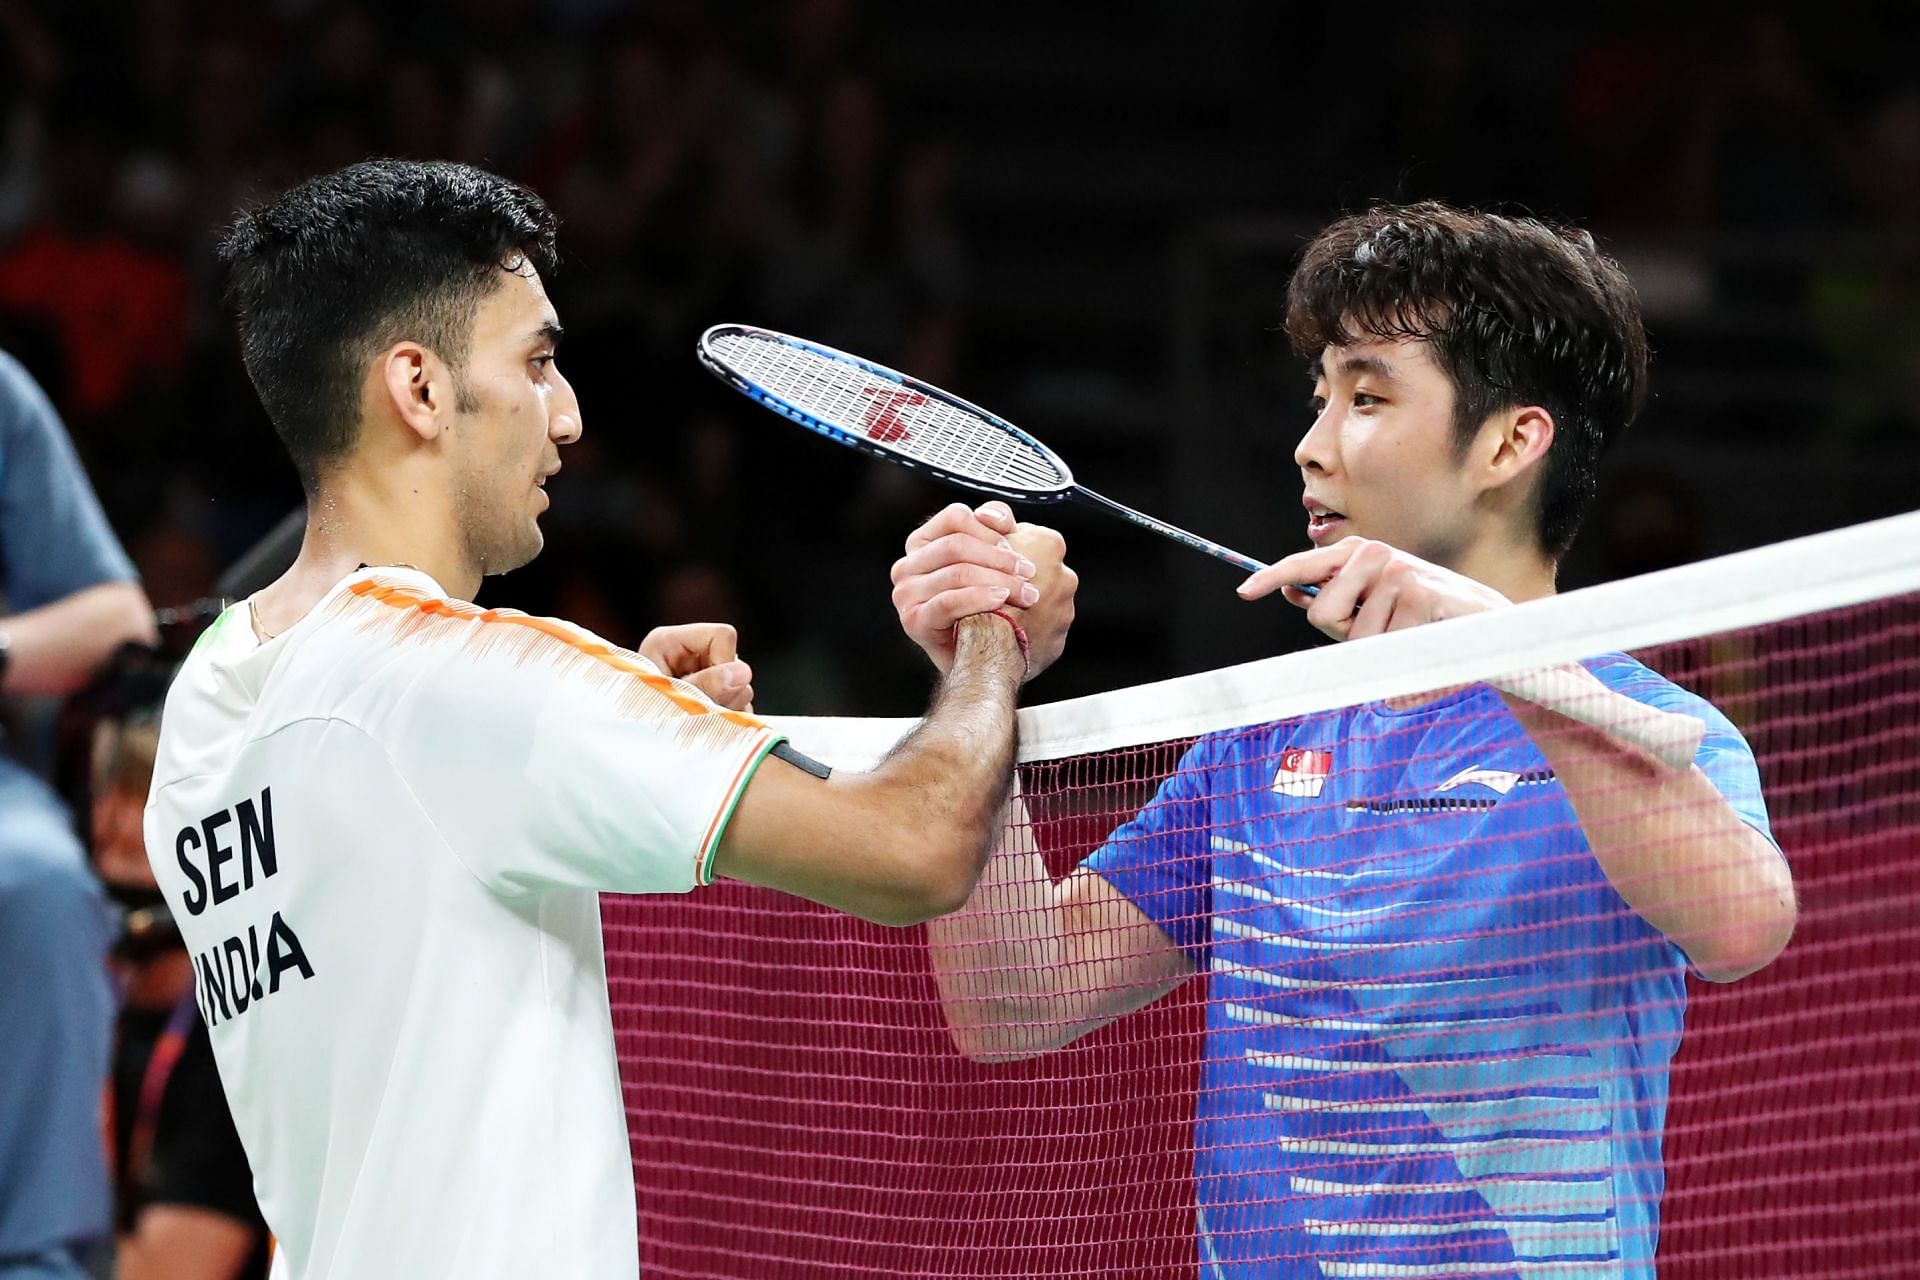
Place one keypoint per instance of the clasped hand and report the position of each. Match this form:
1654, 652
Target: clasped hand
966, 561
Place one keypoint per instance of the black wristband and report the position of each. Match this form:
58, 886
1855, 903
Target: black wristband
785, 750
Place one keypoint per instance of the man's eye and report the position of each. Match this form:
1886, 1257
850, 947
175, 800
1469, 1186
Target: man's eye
1363, 400
540, 364
1316, 405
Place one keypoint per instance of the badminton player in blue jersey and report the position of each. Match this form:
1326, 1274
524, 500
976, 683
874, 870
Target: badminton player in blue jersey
1445, 937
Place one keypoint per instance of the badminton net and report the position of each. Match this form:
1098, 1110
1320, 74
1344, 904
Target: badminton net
1430, 1029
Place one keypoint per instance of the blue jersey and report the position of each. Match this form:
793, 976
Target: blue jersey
1437, 1037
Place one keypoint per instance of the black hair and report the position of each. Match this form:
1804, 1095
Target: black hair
1516, 311
345, 265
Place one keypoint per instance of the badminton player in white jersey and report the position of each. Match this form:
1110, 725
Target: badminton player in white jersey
1445, 937
380, 814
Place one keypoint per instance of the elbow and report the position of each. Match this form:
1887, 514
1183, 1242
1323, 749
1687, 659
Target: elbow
121, 615
936, 880
137, 623
982, 1036
988, 1050
947, 894
1750, 947
917, 903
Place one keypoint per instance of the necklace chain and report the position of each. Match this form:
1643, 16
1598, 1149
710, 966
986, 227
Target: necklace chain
259, 628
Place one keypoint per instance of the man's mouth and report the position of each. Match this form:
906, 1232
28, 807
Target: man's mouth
1318, 513
1322, 521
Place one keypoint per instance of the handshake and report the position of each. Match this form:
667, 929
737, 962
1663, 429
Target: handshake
959, 563
963, 562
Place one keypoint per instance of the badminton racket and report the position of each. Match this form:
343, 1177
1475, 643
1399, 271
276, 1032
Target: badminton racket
886, 414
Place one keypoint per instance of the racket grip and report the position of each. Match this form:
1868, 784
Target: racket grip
1671, 738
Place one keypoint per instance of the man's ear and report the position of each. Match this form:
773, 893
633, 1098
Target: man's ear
1518, 443
417, 386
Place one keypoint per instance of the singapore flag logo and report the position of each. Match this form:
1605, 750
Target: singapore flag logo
1302, 772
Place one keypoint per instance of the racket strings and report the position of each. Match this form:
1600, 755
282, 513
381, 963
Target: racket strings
921, 427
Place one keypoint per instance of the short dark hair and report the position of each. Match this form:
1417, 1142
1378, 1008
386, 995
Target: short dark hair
345, 265
1516, 311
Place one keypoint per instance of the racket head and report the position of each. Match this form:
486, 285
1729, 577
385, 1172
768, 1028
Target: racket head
884, 413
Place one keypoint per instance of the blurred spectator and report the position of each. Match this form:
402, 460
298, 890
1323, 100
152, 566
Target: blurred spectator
886, 178
29, 66
864, 251
177, 565
1621, 96
1765, 148
1646, 518
184, 1206
1867, 309
71, 603
117, 305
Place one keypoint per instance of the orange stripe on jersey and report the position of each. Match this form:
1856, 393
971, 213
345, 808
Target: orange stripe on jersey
581, 642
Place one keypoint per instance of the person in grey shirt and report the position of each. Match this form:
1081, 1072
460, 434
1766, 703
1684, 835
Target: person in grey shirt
71, 601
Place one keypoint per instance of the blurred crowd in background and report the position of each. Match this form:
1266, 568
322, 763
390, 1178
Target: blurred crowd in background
971, 196
1080, 221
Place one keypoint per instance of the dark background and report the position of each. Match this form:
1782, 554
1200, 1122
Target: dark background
1080, 217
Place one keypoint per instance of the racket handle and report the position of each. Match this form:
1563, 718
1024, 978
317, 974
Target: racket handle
1161, 527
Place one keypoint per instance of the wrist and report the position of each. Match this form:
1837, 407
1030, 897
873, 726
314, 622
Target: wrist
986, 629
1020, 637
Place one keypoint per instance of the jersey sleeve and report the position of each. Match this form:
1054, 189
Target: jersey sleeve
1727, 760
1723, 756
546, 757
1161, 859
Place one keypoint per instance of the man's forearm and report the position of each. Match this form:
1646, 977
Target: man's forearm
1671, 846
960, 757
905, 842
998, 960
57, 647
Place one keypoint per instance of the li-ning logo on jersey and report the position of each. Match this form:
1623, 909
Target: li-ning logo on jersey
1302, 772
883, 414
1498, 781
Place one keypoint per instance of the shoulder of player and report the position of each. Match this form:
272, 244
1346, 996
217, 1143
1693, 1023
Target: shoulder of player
394, 638
379, 619
1627, 675
407, 611
232, 689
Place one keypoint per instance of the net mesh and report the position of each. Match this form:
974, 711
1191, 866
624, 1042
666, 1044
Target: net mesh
1430, 1029
900, 419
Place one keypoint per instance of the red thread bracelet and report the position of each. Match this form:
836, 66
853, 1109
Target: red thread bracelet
1020, 634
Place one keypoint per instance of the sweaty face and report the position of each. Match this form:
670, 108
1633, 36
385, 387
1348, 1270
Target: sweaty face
1379, 459
516, 411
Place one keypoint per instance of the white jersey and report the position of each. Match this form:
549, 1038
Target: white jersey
382, 834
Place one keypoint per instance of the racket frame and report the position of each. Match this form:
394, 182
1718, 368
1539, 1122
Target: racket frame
839, 433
